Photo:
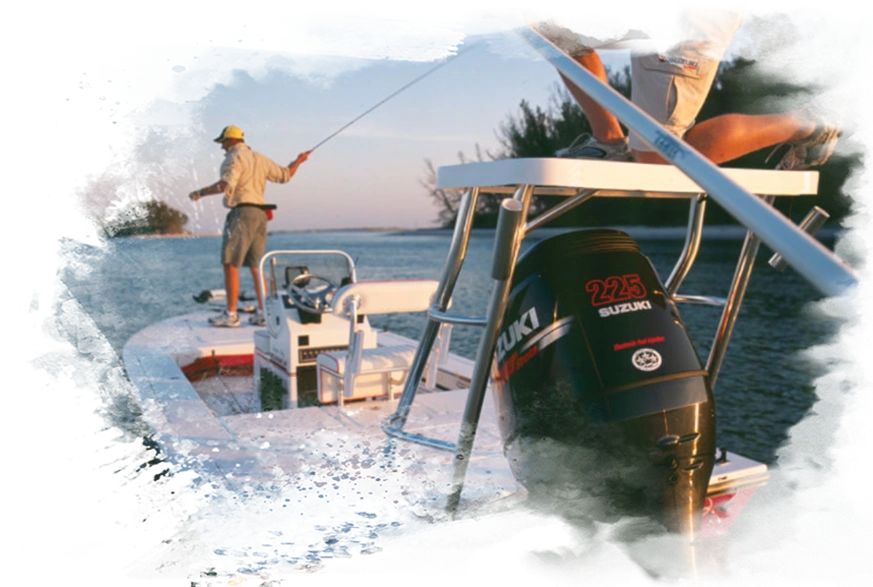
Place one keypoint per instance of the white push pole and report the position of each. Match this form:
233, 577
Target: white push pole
808, 257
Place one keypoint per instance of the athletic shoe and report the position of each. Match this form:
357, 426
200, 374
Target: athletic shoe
257, 319
587, 147
225, 319
812, 151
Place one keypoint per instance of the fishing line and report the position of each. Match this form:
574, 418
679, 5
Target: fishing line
410, 84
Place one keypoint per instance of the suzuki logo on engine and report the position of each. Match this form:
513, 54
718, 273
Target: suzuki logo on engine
516, 331
624, 308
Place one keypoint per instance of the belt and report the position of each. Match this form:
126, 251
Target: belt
261, 206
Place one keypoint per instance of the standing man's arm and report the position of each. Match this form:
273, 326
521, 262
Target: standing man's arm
217, 188
292, 167
229, 173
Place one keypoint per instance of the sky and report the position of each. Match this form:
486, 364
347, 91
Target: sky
290, 83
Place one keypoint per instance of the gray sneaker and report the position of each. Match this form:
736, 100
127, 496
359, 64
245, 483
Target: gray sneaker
812, 151
257, 319
225, 319
585, 146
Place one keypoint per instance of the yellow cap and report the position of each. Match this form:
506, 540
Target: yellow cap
230, 132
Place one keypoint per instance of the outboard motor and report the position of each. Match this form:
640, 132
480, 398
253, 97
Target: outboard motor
600, 392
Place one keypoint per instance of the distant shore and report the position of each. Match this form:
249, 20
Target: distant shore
178, 235
715, 232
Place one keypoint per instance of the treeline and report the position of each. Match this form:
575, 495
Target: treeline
147, 218
535, 131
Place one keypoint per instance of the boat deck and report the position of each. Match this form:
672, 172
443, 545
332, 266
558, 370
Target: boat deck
210, 432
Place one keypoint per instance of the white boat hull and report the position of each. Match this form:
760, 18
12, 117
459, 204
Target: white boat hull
285, 447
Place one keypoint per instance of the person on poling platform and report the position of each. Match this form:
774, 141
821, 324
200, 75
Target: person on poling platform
670, 81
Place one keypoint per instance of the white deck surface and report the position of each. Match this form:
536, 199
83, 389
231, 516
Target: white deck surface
264, 485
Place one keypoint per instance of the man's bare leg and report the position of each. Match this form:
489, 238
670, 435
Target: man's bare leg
604, 125
720, 139
730, 136
256, 278
231, 287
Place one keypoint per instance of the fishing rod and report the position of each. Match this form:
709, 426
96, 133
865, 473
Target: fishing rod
410, 84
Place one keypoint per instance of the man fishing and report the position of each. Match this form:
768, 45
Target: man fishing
244, 176
671, 79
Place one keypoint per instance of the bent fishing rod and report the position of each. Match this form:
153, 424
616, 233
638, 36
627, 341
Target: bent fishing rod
407, 86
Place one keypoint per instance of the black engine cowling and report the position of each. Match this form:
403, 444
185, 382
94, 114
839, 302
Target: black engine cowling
598, 385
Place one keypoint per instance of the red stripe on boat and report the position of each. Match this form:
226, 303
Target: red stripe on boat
202, 368
720, 511
209, 366
235, 365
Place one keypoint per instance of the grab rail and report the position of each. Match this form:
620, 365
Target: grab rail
271, 257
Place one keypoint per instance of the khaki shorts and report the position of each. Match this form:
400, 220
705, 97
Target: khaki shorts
669, 83
245, 237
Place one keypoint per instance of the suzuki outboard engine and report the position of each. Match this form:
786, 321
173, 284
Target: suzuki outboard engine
599, 390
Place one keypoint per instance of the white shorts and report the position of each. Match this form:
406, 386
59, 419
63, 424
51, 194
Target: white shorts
669, 80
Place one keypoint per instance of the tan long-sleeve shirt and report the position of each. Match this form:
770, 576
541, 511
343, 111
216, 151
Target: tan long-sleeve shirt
246, 173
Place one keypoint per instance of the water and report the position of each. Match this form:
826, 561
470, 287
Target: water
790, 378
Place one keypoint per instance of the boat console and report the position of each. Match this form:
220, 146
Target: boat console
318, 347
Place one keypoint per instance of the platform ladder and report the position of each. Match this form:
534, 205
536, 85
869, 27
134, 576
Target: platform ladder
509, 234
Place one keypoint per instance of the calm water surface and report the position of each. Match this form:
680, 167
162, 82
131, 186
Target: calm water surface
763, 389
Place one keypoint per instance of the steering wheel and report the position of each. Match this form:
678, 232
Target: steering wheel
314, 297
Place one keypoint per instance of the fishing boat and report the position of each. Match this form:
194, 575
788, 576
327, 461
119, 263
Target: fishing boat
246, 404
596, 386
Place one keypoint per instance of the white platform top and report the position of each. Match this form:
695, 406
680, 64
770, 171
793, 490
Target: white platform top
614, 178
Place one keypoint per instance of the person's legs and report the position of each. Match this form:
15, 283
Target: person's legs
256, 245
231, 259
811, 151
256, 278
578, 43
604, 125
730, 136
813, 130
672, 90
231, 287
672, 77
